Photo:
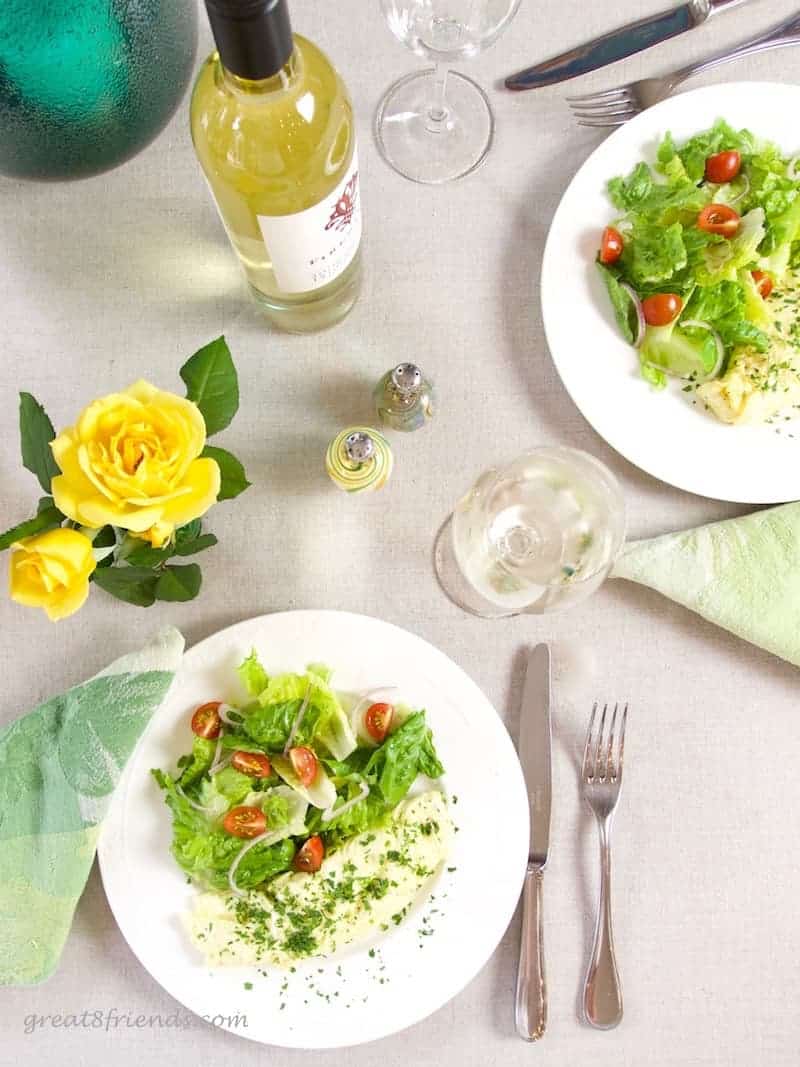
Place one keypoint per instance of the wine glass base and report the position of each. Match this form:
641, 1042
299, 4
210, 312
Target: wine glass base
453, 583
433, 151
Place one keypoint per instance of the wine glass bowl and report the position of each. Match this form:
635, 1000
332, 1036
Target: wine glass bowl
448, 31
433, 126
536, 535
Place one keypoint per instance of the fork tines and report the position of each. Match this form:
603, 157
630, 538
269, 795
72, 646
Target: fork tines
609, 108
602, 756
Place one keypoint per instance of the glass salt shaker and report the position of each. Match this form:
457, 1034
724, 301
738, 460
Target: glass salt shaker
404, 398
359, 459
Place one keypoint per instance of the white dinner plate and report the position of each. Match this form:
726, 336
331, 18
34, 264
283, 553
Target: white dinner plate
661, 432
397, 978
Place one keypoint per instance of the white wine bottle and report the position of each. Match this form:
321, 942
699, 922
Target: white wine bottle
272, 125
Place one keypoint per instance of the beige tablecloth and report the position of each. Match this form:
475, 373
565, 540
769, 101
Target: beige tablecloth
123, 276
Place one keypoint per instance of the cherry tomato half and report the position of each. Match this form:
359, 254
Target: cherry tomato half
611, 245
310, 855
718, 218
723, 167
764, 283
305, 764
661, 308
245, 821
378, 719
256, 764
206, 721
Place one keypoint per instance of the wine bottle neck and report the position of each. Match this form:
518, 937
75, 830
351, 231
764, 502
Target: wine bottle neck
282, 80
253, 37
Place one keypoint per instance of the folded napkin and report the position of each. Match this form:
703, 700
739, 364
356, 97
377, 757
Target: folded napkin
58, 768
743, 574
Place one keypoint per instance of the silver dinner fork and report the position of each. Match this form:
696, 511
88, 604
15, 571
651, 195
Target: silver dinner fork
602, 781
613, 107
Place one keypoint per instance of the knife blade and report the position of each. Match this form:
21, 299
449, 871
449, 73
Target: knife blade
534, 750
535, 757
625, 41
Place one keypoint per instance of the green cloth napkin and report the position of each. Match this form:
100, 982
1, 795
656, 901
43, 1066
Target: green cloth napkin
58, 768
743, 574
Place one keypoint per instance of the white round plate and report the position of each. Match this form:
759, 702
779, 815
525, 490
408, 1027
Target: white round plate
396, 979
661, 432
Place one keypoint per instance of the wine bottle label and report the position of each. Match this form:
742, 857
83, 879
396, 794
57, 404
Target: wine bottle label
310, 248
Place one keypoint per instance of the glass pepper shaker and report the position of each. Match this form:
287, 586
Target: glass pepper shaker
359, 459
404, 398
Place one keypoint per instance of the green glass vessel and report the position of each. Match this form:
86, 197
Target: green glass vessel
86, 84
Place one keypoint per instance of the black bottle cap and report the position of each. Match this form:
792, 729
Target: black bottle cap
254, 37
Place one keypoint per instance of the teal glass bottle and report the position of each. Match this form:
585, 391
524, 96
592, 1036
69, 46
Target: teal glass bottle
86, 84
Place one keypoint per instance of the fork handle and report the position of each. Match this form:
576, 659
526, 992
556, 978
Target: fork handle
602, 995
780, 36
531, 1000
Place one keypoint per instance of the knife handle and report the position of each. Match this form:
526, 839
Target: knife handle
531, 1001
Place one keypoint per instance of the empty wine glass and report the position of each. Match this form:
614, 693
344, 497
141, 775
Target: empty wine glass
536, 535
435, 125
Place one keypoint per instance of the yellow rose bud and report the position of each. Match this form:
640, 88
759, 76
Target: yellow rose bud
132, 460
51, 571
158, 535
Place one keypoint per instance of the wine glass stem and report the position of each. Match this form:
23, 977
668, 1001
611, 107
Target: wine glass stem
438, 111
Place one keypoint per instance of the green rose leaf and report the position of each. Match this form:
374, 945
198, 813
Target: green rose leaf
36, 432
189, 532
144, 555
234, 479
191, 548
134, 585
48, 519
213, 384
179, 583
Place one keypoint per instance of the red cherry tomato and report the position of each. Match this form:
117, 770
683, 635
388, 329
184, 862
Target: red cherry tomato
723, 167
305, 764
661, 308
256, 764
611, 245
206, 721
378, 719
245, 821
718, 218
764, 283
310, 855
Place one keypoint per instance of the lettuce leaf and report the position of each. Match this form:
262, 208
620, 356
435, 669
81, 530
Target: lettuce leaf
254, 678
395, 764
205, 852
324, 720
193, 767
653, 254
621, 302
726, 307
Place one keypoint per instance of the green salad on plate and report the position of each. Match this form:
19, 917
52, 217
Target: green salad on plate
701, 267
292, 814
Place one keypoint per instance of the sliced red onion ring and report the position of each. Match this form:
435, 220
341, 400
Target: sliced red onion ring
641, 325
745, 190
334, 813
192, 804
700, 325
297, 720
793, 169
223, 711
275, 835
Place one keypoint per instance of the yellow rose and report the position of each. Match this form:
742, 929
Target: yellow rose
131, 460
158, 535
51, 571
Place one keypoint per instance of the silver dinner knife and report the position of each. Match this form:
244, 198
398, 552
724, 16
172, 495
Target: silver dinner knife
618, 44
534, 754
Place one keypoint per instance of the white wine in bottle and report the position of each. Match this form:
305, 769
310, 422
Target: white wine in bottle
272, 125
